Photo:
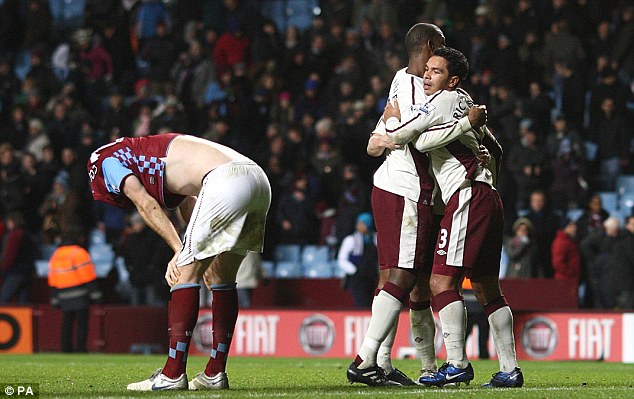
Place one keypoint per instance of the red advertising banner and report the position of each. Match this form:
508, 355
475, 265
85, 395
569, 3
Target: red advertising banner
539, 336
16, 330
570, 336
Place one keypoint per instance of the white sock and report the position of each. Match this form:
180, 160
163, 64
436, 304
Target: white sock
501, 322
385, 309
384, 356
424, 330
452, 318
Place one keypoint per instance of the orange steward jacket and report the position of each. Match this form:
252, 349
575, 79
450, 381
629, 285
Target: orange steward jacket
70, 266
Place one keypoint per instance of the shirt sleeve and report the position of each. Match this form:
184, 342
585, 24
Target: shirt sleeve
421, 118
113, 174
380, 127
441, 135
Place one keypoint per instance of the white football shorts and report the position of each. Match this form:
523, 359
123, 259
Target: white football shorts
230, 213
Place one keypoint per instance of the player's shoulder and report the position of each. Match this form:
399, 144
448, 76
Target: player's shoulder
444, 99
464, 96
407, 88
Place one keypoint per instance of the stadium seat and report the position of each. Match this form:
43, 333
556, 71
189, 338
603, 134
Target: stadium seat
122, 270
609, 200
316, 262
337, 271
574, 214
522, 212
625, 184
287, 253
103, 257
286, 269
268, 268
41, 267
626, 203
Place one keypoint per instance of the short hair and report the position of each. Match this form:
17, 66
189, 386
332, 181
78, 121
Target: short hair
457, 63
418, 36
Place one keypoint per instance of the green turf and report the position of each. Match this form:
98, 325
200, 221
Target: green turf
81, 376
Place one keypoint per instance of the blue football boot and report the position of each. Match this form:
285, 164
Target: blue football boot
448, 374
513, 379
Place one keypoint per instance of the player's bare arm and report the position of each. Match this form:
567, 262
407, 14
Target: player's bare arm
378, 143
155, 217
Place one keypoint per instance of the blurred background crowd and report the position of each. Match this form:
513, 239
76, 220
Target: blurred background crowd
298, 86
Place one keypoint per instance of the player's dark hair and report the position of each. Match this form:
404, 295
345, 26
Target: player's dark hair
457, 63
418, 36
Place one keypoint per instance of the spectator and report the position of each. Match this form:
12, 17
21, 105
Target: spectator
11, 190
149, 14
357, 258
560, 46
502, 114
295, 214
569, 186
570, 90
159, 52
598, 251
59, 211
61, 130
561, 131
352, 202
566, 254
9, 88
15, 129
545, 225
622, 54
528, 165
232, 48
74, 285
612, 138
623, 270
537, 107
146, 255
592, 217
17, 260
37, 139
521, 250
35, 188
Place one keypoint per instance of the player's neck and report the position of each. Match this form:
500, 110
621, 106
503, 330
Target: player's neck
415, 67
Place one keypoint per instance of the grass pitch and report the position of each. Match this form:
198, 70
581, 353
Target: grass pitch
101, 376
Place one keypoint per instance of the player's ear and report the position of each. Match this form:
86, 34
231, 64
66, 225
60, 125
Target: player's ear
453, 82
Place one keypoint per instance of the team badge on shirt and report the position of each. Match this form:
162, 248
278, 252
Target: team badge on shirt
426, 108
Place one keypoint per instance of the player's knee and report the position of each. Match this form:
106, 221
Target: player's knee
439, 283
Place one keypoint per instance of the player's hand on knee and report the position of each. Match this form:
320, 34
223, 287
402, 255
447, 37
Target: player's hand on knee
207, 278
172, 274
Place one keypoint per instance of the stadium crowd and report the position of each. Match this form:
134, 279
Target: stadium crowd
298, 86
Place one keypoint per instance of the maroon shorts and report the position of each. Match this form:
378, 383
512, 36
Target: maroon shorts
471, 233
403, 230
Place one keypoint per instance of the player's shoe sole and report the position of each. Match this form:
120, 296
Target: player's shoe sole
160, 382
449, 375
373, 376
216, 382
513, 379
